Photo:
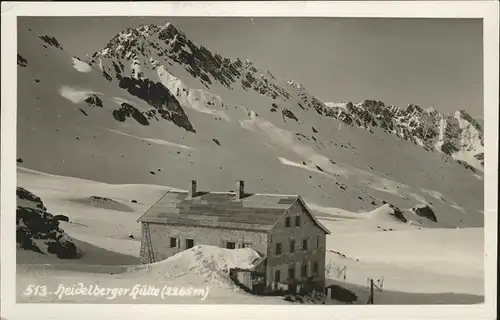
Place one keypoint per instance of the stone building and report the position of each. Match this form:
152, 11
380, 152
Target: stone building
287, 235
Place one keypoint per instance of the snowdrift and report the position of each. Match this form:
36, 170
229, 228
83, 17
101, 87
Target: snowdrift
205, 264
388, 212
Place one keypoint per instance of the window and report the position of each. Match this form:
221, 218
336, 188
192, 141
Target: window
304, 244
303, 270
246, 245
287, 222
278, 248
291, 272
317, 242
230, 245
292, 246
315, 267
189, 243
277, 276
297, 221
173, 242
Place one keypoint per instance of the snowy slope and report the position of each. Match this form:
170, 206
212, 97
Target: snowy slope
408, 258
457, 135
181, 127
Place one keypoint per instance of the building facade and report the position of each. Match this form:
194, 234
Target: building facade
290, 240
296, 249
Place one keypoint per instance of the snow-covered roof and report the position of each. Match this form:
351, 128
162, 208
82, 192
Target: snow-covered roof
255, 211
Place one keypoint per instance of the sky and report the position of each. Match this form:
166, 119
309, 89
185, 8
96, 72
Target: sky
428, 62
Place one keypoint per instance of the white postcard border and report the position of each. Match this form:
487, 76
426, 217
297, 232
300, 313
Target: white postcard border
487, 10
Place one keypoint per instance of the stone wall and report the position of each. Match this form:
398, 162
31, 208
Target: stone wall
161, 234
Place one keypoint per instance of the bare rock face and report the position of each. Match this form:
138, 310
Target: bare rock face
466, 166
52, 41
126, 111
38, 230
451, 135
94, 101
397, 213
480, 156
21, 61
425, 212
157, 96
289, 114
24, 194
61, 217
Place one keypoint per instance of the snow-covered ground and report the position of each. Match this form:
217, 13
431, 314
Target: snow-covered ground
408, 259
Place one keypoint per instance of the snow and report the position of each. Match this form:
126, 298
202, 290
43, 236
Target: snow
336, 105
459, 208
264, 153
157, 141
105, 51
125, 36
470, 143
76, 95
418, 197
285, 139
81, 66
442, 127
186, 48
468, 157
408, 259
381, 213
412, 260
419, 141
52, 187
110, 257
195, 99
295, 84
478, 176
66, 195
300, 165
209, 263
430, 110
435, 194
136, 68
154, 62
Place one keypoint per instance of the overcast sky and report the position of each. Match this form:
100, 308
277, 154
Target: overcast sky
429, 62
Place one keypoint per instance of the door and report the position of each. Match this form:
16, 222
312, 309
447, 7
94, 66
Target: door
189, 243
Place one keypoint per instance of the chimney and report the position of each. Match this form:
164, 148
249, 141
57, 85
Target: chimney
192, 189
240, 189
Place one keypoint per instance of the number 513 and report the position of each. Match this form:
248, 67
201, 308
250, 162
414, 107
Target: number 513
35, 290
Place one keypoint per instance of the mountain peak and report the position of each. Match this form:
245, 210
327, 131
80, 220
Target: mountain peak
144, 33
